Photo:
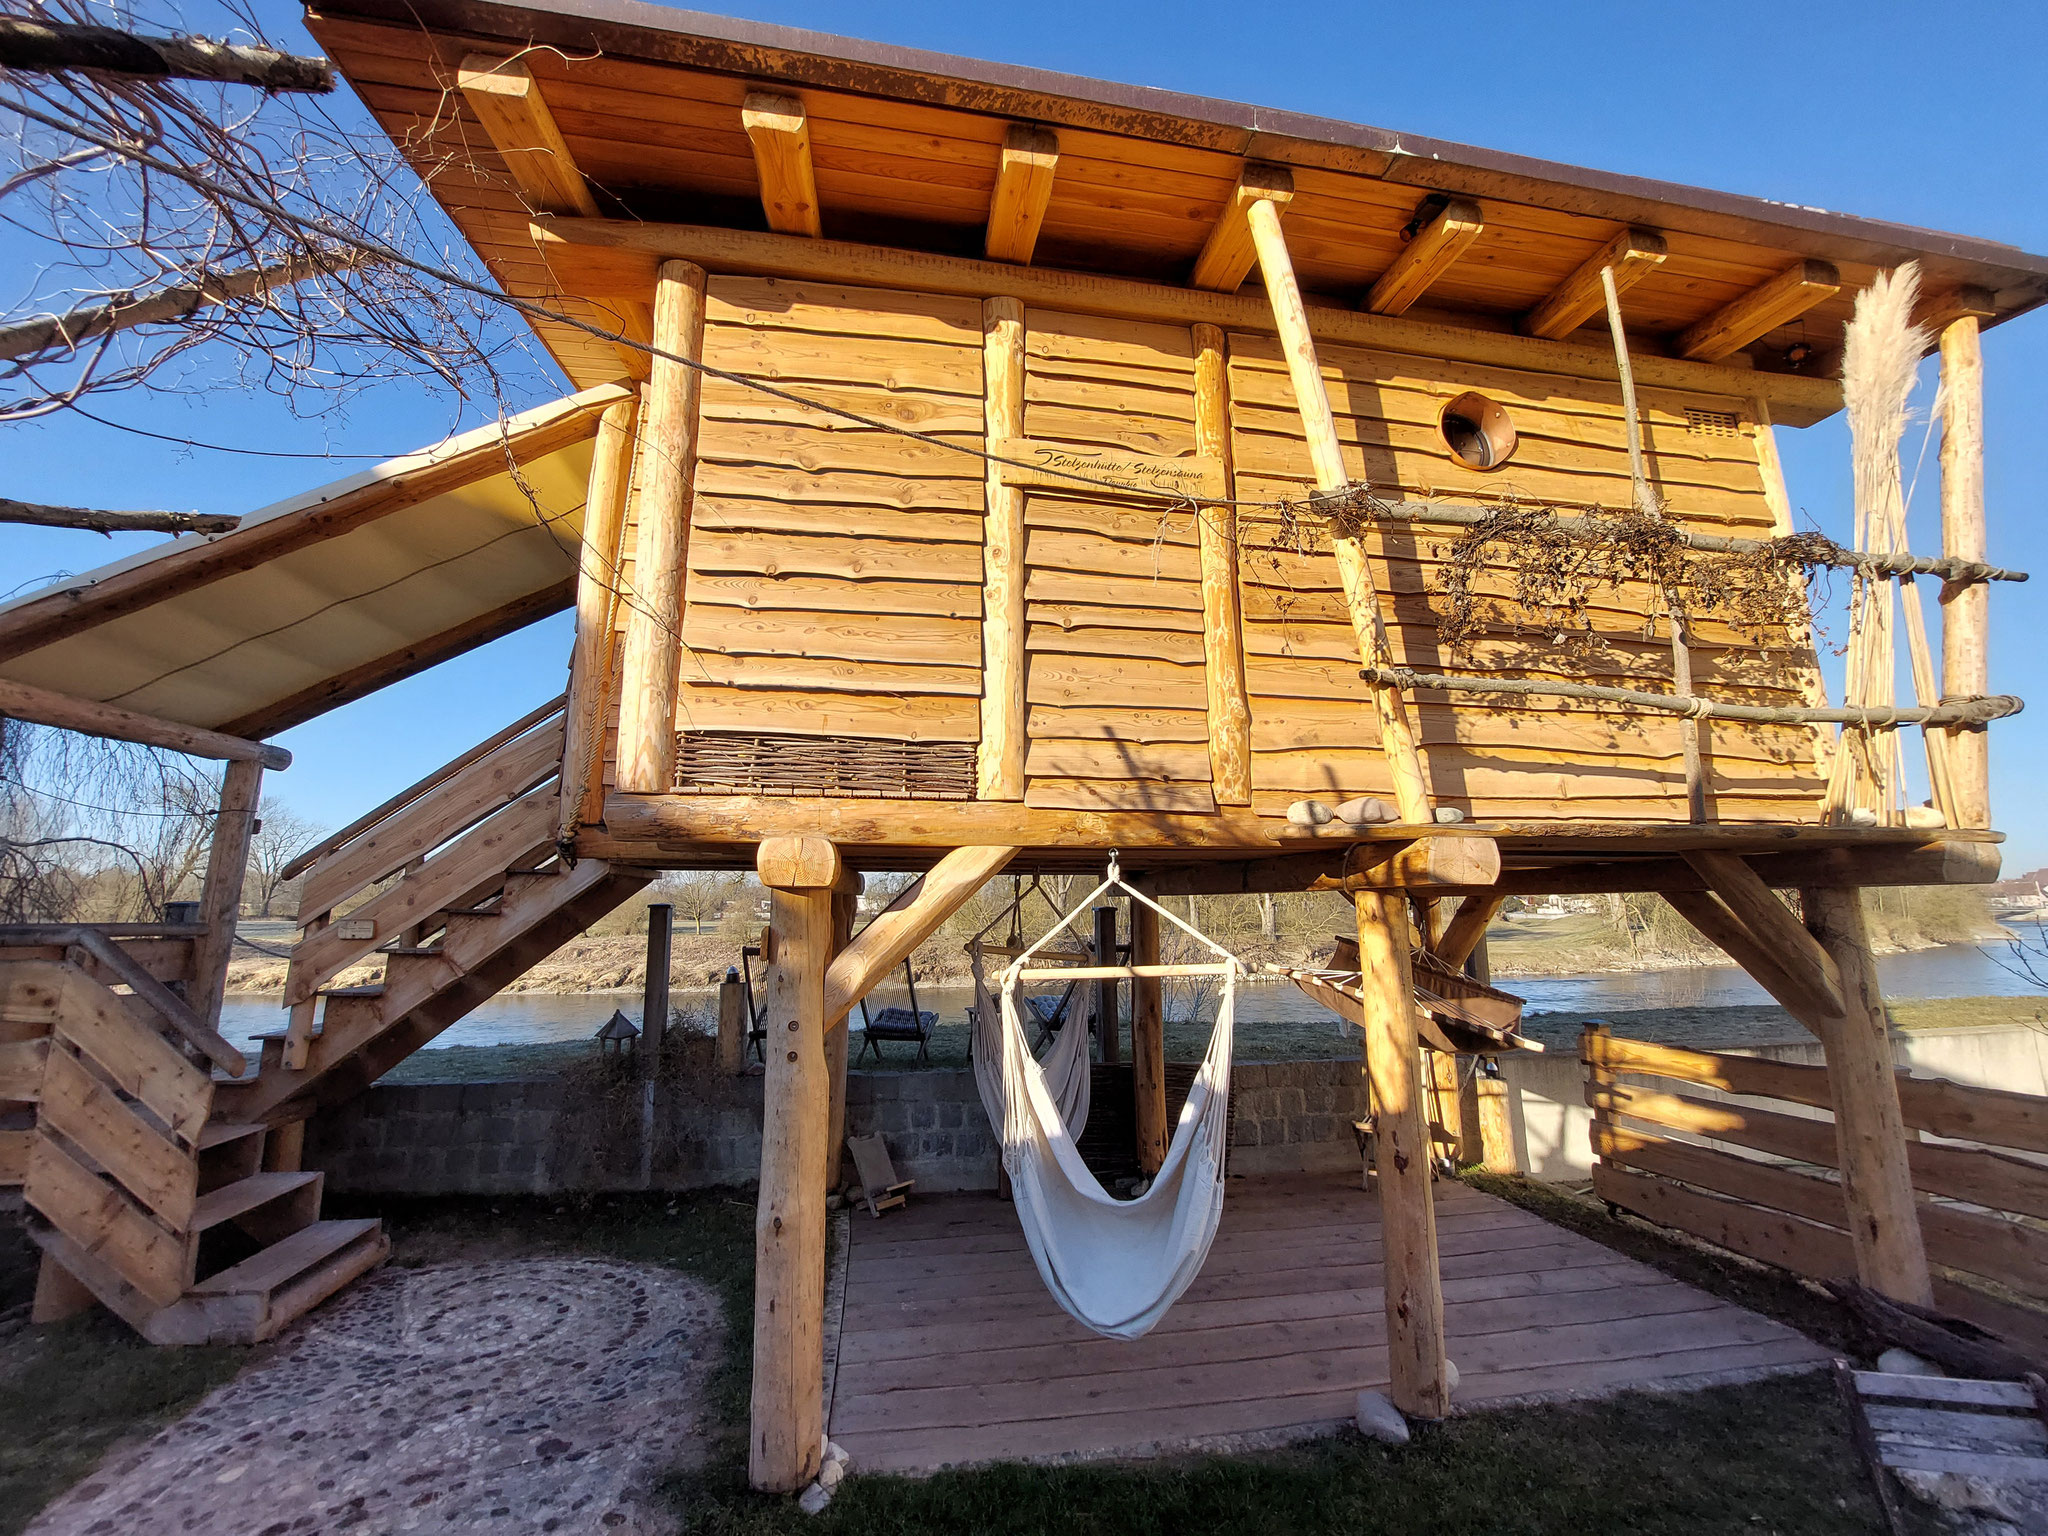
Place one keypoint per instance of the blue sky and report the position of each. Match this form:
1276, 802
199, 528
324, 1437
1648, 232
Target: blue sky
1924, 115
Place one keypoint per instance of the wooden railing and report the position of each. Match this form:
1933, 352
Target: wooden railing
1762, 1181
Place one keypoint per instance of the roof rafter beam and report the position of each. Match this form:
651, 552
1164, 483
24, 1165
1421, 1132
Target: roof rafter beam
1024, 176
780, 131
1228, 254
1763, 309
1426, 257
1633, 254
507, 100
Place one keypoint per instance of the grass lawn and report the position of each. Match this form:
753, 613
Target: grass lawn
1768, 1456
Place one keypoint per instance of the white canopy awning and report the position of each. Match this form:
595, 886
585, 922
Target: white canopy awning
330, 595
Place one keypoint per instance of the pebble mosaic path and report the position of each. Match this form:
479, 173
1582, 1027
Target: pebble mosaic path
511, 1397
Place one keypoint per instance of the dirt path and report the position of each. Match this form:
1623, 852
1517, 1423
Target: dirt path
513, 1396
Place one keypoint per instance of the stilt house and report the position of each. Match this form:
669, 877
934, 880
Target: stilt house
975, 469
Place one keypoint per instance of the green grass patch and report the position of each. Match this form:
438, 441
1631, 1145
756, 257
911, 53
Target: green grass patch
1769, 1456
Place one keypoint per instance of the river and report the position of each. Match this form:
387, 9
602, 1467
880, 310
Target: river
1699, 1005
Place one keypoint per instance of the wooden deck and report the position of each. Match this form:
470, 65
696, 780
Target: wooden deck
950, 1351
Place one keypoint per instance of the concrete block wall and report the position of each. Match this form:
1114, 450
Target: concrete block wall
556, 1136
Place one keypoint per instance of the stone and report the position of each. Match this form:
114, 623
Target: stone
1366, 811
831, 1474
1309, 813
814, 1499
1450, 1375
1379, 1419
834, 1451
1448, 815
1903, 1362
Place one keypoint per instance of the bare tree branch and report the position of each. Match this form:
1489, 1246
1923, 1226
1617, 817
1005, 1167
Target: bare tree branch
45, 46
126, 311
94, 521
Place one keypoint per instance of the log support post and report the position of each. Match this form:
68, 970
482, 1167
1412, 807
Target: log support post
1326, 454
1870, 1129
788, 1415
597, 599
733, 1024
1148, 1041
668, 462
220, 899
999, 762
845, 904
1966, 609
661, 919
1393, 1065
1230, 710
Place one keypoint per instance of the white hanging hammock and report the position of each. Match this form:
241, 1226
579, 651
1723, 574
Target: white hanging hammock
1113, 1265
1064, 1065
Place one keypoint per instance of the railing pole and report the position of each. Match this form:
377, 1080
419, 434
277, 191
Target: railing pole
220, 901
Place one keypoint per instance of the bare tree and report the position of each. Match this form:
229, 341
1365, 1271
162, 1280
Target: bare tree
698, 894
281, 835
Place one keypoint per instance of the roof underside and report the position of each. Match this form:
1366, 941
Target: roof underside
906, 147
326, 597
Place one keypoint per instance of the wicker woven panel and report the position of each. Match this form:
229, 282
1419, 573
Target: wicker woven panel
849, 767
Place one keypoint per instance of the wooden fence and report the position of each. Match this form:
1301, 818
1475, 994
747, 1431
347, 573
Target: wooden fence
1760, 1178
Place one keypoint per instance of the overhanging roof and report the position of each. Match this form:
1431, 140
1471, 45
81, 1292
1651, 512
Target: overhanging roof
906, 146
330, 595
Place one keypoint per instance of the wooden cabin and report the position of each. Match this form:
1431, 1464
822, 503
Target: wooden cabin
981, 469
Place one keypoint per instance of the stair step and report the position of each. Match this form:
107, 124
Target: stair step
221, 1132
244, 1196
284, 1261
369, 990
414, 952
472, 912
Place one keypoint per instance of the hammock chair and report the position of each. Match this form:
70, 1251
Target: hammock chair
1066, 1064
1115, 1266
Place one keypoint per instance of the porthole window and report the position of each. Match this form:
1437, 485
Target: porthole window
1478, 431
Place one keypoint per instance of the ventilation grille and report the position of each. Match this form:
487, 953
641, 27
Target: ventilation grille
1712, 423
841, 767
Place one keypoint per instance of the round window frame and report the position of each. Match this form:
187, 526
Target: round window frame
1459, 406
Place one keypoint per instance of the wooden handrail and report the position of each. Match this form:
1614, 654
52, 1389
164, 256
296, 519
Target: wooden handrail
404, 797
90, 717
150, 992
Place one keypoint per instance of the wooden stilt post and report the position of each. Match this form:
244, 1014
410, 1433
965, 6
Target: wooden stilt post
1393, 1052
654, 622
732, 1023
220, 899
788, 1417
999, 765
845, 904
1361, 595
598, 592
1106, 989
1966, 610
1148, 1041
1230, 710
654, 994
1870, 1131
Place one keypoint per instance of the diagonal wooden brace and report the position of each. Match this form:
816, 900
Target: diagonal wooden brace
1771, 923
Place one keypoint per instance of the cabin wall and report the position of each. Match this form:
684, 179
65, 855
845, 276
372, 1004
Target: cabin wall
832, 636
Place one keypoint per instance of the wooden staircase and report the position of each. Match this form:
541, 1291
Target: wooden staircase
141, 1194
161, 1173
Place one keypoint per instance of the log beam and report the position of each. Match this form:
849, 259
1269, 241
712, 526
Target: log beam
780, 132
220, 898
1024, 175
89, 717
1966, 609
1763, 309
1148, 1041
883, 944
999, 757
1633, 255
787, 1428
1397, 733
604, 258
1466, 930
1870, 1128
1794, 989
1426, 257
597, 598
1230, 710
1401, 1157
1229, 253
668, 454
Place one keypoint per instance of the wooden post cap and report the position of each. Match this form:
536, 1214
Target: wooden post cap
798, 863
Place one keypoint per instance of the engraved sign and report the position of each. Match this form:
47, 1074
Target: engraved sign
353, 928
1081, 468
